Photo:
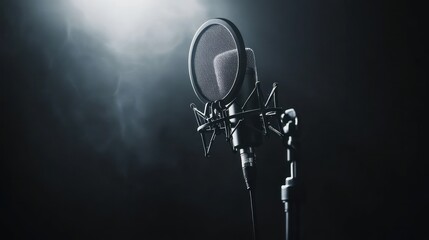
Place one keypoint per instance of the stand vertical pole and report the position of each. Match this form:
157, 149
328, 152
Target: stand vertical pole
289, 194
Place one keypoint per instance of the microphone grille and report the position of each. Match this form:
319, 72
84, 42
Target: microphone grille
225, 70
251, 61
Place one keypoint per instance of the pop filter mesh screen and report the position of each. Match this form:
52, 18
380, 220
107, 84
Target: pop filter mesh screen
215, 62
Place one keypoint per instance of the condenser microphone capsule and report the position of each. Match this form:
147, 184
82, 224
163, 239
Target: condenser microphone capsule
247, 130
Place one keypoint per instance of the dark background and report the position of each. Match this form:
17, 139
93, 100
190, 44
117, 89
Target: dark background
91, 152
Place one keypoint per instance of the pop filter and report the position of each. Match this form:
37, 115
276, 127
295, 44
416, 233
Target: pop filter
217, 44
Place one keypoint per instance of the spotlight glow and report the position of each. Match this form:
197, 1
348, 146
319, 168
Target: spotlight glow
141, 26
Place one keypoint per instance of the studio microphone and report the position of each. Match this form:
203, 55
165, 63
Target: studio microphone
247, 131
224, 77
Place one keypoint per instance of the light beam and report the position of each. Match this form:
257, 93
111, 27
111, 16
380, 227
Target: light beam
141, 27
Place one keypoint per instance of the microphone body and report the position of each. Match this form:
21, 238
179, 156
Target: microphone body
247, 132
246, 135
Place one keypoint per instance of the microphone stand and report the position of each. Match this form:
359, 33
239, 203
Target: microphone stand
289, 194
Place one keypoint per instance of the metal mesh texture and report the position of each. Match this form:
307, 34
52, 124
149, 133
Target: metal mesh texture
224, 65
251, 63
215, 62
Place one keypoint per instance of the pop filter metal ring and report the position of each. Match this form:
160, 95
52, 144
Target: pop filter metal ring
242, 60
